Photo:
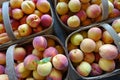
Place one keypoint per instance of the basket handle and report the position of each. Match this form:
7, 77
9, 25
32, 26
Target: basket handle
105, 9
114, 35
6, 20
10, 70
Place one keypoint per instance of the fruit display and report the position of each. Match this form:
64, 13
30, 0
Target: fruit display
94, 51
43, 58
3, 75
74, 14
27, 18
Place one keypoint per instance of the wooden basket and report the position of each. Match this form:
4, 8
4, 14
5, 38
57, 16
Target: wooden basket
10, 70
9, 31
69, 29
74, 74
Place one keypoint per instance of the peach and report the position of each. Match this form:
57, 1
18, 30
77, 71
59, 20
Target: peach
82, 15
71, 46
98, 45
96, 70
110, 64
74, 5
93, 11
28, 7
4, 77
23, 20
17, 13
85, 6
110, 6
37, 12
87, 45
30, 62
2, 58
86, 22
14, 24
2, 28
60, 49
39, 43
60, 62
85, 1
19, 53
29, 78
84, 68
107, 38
73, 21
64, 18
43, 6
64, 1
84, 34
37, 29
15, 3
117, 4
29, 48
2, 69
50, 42
37, 76
95, 33
37, 53
21, 71
4, 39
114, 13
24, 30
44, 67
96, 2
98, 19
50, 52
1, 18
76, 39
54, 75
115, 25
76, 55
97, 57
46, 18
108, 51
89, 57
62, 8
33, 20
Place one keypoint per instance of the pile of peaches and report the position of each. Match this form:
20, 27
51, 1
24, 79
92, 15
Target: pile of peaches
92, 52
77, 13
42, 59
26, 17
3, 75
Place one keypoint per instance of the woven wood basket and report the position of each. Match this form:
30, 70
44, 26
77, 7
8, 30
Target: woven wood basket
69, 29
10, 70
9, 31
74, 75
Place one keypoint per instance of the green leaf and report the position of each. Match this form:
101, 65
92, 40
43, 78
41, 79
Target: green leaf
44, 60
